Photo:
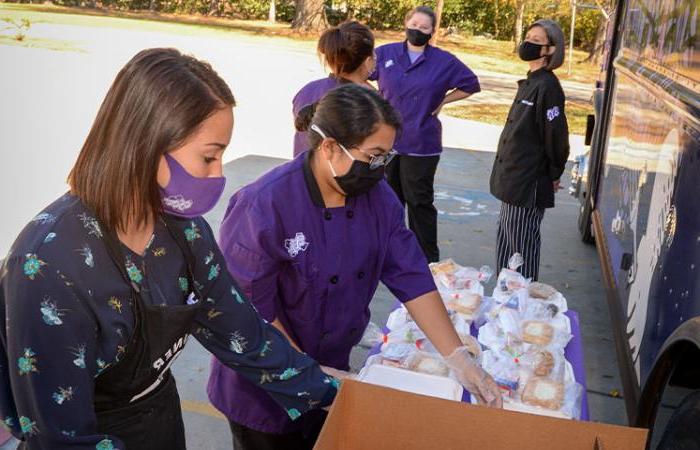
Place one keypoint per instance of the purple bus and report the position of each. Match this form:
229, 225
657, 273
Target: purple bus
639, 188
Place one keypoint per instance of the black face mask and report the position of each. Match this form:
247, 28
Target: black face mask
359, 179
417, 37
529, 51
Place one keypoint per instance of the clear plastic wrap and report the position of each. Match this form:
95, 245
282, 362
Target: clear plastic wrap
464, 278
407, 334
563, 395
504, 370
465, 303
372, 336
428, 363
393, 355
398, 318
509, 280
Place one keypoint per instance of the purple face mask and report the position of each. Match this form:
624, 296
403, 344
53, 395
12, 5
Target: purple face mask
188, 196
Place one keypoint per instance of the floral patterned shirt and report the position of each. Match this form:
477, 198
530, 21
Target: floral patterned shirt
68, 315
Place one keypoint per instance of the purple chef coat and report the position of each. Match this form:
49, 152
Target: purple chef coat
313, 268
310, 93
417, 89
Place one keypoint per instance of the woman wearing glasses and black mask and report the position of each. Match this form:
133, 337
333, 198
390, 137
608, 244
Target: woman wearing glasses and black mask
309, 242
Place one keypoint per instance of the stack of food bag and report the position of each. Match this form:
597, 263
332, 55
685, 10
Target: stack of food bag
522, 334
405, 345
525, 332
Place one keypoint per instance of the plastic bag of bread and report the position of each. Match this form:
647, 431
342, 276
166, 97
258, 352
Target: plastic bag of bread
393, 355
372, 336
407, 334
423, 362
542, 330
537, 332
541, 291
505, 327
446, 266
509, 280
464, 278
504, 370
553, 395
545, 362
465, 303
543, 392
553, 304
398, 318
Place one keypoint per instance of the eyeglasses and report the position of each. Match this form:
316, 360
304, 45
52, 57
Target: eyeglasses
375, 161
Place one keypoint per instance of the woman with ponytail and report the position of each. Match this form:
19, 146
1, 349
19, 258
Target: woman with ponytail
348, 52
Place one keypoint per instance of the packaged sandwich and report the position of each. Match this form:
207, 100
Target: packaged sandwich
537, 332
543, 392
446, 266
463, 302
427, 363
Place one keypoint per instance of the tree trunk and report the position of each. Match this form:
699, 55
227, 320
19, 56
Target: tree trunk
310, 15
597, 43
518, 30
496, 15
213, 8
152, 6
272, 15
438, 19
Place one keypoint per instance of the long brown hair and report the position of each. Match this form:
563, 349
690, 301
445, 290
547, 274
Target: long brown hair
158, 99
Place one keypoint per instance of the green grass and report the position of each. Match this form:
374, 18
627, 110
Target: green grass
47, 44
497, 114
478, 53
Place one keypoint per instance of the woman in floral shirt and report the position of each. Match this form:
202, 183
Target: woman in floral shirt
102, 289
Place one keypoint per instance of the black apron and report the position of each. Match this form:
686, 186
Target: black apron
136, 399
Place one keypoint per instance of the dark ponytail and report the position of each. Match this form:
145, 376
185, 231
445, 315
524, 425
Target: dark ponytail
350, 113
344, 48
302, 121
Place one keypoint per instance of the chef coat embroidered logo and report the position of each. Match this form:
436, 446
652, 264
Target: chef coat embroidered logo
178, 202
388, 63
553, 113
527, 102
296, 244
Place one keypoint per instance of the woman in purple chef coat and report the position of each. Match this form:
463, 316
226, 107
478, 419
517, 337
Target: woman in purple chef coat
418, 80
309, 242
348, 51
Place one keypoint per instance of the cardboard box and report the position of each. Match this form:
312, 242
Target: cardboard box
366, 416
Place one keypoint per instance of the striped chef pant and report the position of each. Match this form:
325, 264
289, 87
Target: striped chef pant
519, 232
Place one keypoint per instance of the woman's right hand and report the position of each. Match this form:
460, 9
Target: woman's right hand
474, 378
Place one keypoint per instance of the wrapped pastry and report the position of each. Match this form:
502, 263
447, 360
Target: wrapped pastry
464, 302
424, 363
543, 363
544, 393
446, 266
541, 291
509, 281
537, 332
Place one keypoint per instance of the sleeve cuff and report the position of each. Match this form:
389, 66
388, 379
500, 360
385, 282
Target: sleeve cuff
328, 398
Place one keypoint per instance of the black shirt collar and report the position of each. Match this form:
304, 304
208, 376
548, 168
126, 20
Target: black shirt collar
311, 183
537, 74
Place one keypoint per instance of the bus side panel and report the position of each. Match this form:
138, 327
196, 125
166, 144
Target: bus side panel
649, 200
